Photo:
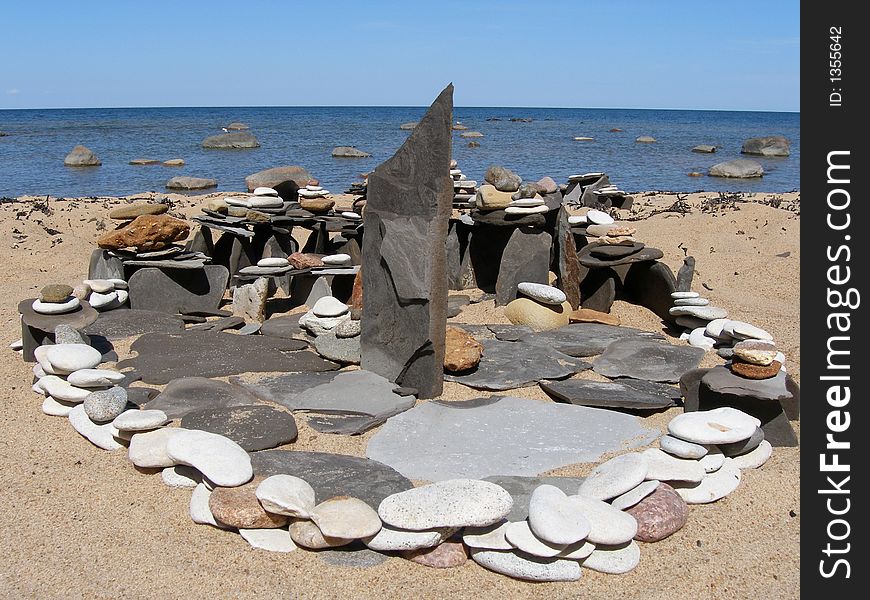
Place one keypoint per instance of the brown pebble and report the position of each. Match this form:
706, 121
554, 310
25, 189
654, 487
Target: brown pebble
750, 371
462, 352
55, 292
660, 514
588, 315
239, 507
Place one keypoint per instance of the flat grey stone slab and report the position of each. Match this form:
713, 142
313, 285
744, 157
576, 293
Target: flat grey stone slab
589, 261
521, 488
166, 356
334, 474
286, 327
647, 359
120, 324
219, 324
501, 436
251, 427
189, 394
624, 393
80, 317
355, 555
285, 389
166, 263
585, 339
509, 365
343, 424
354, 394
178, 290
723, 381
509, 333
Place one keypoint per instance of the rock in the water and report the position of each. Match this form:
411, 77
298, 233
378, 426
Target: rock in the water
103, 406
645, 139
554, 518
704, 149
239, 507
506, 435
146, 233
649, 360
81, 156
450, 503
740, 168
251, 427
718, 426
348, 152
624, 393
614, 560
504, 180
189, 394
462, 351
774, 145
235, 140
409, 199
286, 495
524, 311
221, 460
714, 486
102, 436
615, 477
183, 182
346, 517
529, 568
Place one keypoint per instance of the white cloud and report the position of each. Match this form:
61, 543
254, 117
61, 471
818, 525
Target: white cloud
13, 92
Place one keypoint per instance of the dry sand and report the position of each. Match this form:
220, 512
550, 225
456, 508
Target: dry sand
83, 523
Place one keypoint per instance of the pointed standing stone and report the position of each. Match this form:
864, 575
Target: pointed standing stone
408, 206
526, 257
685, 274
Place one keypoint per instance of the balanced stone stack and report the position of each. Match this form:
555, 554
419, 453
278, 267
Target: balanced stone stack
464, 189
594, 190
56, 299
538, 306
104, 294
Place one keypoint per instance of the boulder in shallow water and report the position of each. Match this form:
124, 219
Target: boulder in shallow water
81, 156
772, 145
236, 140
740, 168
348, 152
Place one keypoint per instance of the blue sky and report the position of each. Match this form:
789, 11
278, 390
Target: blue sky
736, 55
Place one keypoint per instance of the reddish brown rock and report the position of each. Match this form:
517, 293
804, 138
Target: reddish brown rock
300, 260
356, 296
588, 315
316, 205
239, 507
660, 514
750, 371
443, 556
462, 352
145, 233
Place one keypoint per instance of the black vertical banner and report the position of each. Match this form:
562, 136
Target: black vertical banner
835, 426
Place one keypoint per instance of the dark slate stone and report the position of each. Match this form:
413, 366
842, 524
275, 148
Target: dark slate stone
141, 395
37, 328
169, 264
409, 200
566, 264
178, 290
647, 253
625, 393
285, 389
611, 251
598, 289
286, 327
343, 424
685, 275
774, 422
690, 381
334, 474
593, 201
505, 333
584, 339
723, 381
117, 324
163, 357
792, 407
456, 303
189, 394
454, 256
485, 249
744, 446
520, 488
526, 257
647, 359
219, 324
499, 218
105, 266
650, 284
509, 365
251, 427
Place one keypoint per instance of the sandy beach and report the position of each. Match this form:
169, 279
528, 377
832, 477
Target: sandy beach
84, 523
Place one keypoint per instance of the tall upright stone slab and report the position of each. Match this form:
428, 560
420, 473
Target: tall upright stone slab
405, 257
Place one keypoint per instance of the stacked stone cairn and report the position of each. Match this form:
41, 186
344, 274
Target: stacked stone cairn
464, 189
594, 190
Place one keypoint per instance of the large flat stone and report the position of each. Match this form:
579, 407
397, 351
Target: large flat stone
520, 488
723, 381
286, 327
500, 436
408, 204
251, 427
189, 394
585, 339
624, 393
166, 356
178, 290
509, 365
333, 474
587, 260
119, 324
647, 359
285, 389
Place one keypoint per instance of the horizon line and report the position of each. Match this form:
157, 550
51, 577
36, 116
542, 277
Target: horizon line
241, 106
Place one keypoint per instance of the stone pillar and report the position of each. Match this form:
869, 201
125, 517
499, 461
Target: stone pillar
409, 200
